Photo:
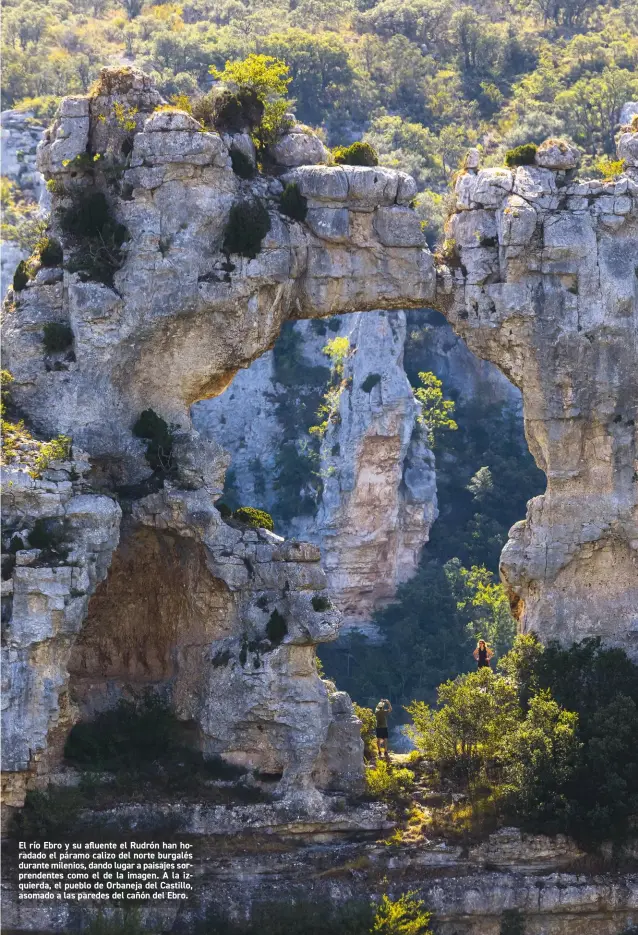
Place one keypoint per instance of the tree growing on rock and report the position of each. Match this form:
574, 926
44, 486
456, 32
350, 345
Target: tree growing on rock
436, 412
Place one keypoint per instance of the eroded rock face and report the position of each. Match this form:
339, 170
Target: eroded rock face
45, 594
179, 320
545, 287
183, 317
379, 490
377, 499
20, 133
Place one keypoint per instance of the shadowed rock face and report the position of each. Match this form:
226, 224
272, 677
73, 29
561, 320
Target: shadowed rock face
541, 280
546, 288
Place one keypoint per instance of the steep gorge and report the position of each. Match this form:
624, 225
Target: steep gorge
540, 278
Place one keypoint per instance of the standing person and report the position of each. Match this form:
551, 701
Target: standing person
483, 655
381, 713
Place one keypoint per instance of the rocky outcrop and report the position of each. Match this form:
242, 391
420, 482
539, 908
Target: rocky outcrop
20, 133
540, 279
45, 595
179, 319
543, 283
333, 859
379, 488
377, 498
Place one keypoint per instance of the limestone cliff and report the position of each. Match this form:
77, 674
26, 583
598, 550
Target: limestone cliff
376, 499
544, 284
20, 133
539, 276
171, 325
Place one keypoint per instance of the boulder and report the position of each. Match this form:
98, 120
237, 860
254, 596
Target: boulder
557, 154
299, 147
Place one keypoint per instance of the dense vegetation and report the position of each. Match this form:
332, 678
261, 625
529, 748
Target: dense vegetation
485, 475
546, 743
420, 80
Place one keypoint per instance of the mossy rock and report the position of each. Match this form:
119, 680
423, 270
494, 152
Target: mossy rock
50, 252
21, 276
358, 154
251, 516
521, 155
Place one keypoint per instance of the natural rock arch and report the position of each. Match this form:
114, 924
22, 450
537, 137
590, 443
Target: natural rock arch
540, 278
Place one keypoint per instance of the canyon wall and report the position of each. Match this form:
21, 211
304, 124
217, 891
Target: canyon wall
538, 275
543, 281
20, 133
178, 320
372, 475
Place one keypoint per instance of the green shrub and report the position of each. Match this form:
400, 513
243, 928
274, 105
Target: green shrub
370, 381
21, 276
251, 516
224, 510
292, 203
521, 155
403, 916
229, 111
368, 730
248, 224
320, 603
98, 236
242, 165
159, 451
276, 628
57, 337
50, 252
388, 782
358, 154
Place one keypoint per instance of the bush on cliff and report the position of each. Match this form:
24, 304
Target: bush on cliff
292, 203
521, 155
405, 915
21, 276
263, 80
50, 252
357, 154
57, 337
242, 165
156, 431
251, 516
248, 224
97, 236
552, 733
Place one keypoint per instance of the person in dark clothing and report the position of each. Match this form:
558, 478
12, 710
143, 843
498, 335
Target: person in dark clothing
483, 655
381, 713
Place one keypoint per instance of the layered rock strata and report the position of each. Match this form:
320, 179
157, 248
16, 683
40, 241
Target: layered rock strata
334, 859
542, 282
